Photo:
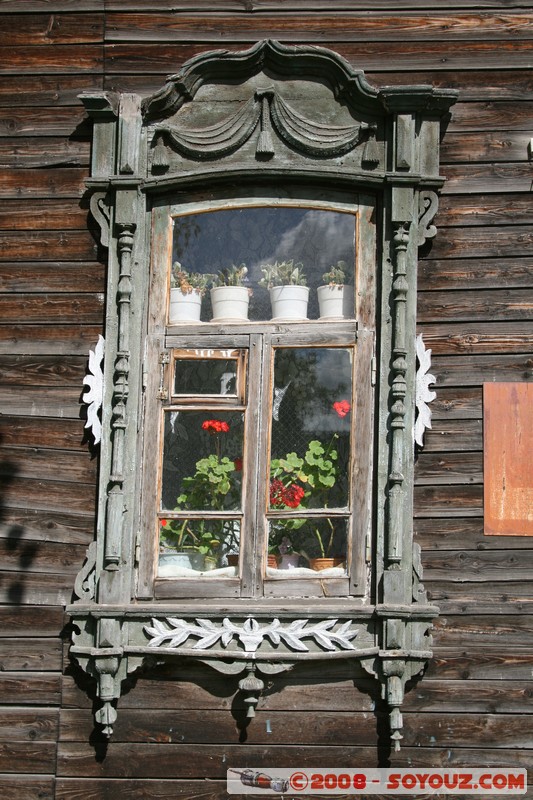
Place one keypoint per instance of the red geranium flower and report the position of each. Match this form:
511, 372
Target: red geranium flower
215, 426
342, 407
238, 464
293, 495
164, 523
276, 492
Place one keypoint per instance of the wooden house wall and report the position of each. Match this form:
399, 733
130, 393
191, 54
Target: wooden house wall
177, 731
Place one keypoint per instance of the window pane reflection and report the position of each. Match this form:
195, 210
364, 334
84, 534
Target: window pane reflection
317, 238
205, 376
314, 543
311, 422
202, 461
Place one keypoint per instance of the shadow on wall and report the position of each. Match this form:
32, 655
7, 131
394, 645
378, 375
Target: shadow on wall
18, 554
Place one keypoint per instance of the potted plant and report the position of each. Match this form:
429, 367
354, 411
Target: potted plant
230, 296
287, 285
335, 297
305, 482
186, 292
214, 486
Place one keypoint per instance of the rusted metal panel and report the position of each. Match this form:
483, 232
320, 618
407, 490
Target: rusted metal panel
508, 458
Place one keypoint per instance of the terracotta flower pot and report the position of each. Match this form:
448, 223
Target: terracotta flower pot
319, 564
272, 561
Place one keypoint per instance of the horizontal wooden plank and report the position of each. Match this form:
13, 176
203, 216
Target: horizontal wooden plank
485, 209
25, 787
478, 565
445, 54
502, 145
457, 501
30, 689
493, 594
170, 761
47, 215
59, 434
449, 468
43, 152
37, 463
453, 435
34, 588
41, 401
454, 533
30, 655
478, 663
44, 90
460, 730
351, 26
57, 60
220, 727
47, 308
31, 622
37, 525
42, 370
311, 6
486, 178
481, 696
44, 339
504, 633
47, 183
499, 305
52, 276
49, 495
493, 242
457, 403
21, 724
33, 6
27, 758
28, 122
477, 338
51, 29
36, 244
473, 273
26, 555
467, 371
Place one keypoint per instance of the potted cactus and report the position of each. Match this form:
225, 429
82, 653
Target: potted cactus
186, 292
335, 297
230, 296
287, 285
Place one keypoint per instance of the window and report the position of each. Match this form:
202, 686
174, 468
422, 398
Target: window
302, 417
261, 415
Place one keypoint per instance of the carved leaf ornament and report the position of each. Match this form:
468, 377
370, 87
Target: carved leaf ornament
93, 396
250, 634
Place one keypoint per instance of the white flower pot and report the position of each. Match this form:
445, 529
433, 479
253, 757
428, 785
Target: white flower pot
335, 302
230, 303
189, 560
184, 307
289, 302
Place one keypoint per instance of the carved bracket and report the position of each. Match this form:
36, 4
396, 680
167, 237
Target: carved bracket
93, 397
424, 395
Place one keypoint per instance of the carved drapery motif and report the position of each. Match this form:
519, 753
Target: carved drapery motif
268, 108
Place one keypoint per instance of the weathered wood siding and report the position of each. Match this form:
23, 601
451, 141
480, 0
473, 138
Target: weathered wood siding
474, 707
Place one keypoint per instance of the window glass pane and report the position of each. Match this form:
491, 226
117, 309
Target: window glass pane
315, 238
190, 546
304, 546
202, 461
311, 424
205, 376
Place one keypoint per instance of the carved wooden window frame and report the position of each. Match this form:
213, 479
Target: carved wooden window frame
181, 140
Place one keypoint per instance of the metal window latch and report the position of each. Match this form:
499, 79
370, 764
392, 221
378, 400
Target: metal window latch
162, 392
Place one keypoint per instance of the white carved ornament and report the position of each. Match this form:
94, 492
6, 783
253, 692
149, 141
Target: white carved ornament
424, 394
93, 397
250, 634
